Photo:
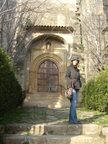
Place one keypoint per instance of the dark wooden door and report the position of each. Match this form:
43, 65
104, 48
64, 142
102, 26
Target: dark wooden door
48, 77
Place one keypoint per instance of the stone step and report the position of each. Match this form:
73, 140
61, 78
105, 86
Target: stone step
63, 129
54, 129
21, 139
75, 129
45, 96
80, 139
46, 100
37, 129
47, 103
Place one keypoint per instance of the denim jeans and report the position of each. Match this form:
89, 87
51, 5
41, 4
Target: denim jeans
73, 105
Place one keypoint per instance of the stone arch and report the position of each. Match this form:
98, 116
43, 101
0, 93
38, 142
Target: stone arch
36, 63
45, 37
30, 63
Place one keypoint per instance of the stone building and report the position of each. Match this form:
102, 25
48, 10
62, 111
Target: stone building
54, 31
51, 40
50, 45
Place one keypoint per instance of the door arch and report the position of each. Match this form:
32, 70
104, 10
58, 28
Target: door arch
48, 77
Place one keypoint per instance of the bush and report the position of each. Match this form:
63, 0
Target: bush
10, 90
95, 92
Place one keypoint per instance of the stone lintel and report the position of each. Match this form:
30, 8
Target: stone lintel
60, 29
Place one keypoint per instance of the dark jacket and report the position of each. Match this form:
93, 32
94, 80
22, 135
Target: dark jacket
73, 77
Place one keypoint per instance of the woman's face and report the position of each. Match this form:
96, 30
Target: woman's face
75, 62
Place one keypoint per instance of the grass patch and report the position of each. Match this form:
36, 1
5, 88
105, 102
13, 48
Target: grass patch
36, 115
24, 115
96, 117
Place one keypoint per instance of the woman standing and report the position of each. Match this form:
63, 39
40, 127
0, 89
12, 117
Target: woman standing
73, 82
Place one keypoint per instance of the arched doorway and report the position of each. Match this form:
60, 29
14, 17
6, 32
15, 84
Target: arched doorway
48, 77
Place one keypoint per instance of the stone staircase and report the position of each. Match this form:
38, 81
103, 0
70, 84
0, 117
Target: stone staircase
56, 133
50, 100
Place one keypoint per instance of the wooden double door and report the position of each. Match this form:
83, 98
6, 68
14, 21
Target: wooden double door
48, 77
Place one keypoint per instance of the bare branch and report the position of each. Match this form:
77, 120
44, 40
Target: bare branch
3, 5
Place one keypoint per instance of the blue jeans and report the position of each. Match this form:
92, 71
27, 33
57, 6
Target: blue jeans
73, 105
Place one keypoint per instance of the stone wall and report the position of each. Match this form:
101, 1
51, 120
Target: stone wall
54, 13
60, 51
93, 21
36, 54
105, 3
7, 22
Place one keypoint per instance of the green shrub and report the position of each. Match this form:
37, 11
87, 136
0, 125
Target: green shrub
95, 92
10, 90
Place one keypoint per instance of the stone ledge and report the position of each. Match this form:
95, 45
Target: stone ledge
105, 134
50, 128
105, 131
85, 129
18, 139
37, 129
91, 129
63, 129
81, 139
